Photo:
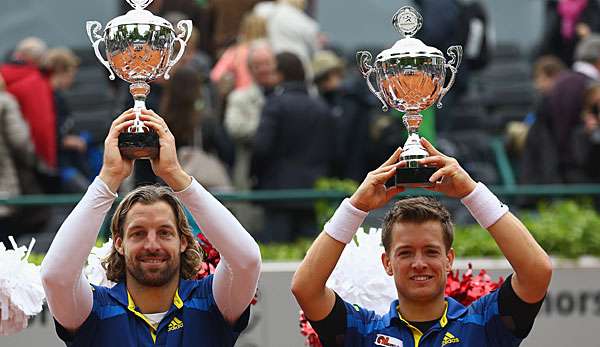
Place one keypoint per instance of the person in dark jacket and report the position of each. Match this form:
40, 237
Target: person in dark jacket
350, 113
563, 106
293, 147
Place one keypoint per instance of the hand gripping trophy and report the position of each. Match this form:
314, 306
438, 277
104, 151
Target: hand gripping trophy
410, 77
139, 49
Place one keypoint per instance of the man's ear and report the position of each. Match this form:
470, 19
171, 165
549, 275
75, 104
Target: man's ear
450, 255
118, 243
385, 260
183, 243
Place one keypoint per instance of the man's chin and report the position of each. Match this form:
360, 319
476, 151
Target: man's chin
152, 277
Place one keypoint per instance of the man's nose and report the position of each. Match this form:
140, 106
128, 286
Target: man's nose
152, 242
419, 263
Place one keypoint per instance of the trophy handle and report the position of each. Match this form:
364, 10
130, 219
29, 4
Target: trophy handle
455, 52
185, 26
92, 28
364, 58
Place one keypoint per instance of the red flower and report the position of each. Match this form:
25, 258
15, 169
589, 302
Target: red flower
312, 339
470, 288
211, 260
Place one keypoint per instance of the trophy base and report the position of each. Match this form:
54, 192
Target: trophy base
139, 145
413, 177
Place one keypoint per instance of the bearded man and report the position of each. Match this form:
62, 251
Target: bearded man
154, 259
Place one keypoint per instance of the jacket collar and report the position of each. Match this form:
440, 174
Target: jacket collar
454, 310
120, 294
296, 86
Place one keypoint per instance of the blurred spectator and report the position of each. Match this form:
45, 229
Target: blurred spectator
244, 107
567, 23
443, 27
440, 22
546, 70
586, 138
62, 64
231, 71
290, 29
200, 61
560, 110
182, 109
193, 53
226, 18
350, 114
293, 147
15, 142
33, 91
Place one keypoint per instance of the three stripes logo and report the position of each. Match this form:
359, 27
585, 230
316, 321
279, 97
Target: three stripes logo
449, 338
175, 324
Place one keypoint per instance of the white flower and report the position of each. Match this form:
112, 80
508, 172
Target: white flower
94, 271
21, 291
359, 277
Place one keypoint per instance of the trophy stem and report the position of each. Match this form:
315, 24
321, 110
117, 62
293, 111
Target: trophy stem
139, 91
412, 121
413, 150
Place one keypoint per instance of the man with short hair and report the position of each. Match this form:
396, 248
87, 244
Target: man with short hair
417, 236
559, 113
244, 106
293, 147
154, 259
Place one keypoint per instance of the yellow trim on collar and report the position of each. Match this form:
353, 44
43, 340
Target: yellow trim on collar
418, 334
131, 307
444, 319
177, 299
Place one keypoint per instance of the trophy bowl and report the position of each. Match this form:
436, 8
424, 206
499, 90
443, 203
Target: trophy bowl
139, 48
410, 77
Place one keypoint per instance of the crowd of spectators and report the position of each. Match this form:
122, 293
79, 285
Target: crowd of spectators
273, 105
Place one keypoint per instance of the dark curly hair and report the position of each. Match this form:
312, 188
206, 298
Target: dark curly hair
114, 264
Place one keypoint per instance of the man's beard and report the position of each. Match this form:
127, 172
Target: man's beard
155, 277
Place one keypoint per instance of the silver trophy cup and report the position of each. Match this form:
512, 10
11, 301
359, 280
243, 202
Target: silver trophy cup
410, 77
140, 48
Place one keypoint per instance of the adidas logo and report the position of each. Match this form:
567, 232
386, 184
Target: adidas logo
449, 338
175, 324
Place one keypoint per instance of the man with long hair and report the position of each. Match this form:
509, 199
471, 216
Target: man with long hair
154, 259
417, 237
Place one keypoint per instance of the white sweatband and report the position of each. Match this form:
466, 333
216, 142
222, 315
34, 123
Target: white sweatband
484, 206
345, 222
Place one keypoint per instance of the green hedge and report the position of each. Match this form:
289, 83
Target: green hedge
566, 229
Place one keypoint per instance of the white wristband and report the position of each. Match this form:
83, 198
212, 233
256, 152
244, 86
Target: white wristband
484, 206
345, 222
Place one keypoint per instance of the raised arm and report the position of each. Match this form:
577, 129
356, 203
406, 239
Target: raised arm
531, 264
68, 293
308, 284
236, 278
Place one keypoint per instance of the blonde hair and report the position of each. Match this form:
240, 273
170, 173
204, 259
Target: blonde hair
114, 264
300, 4
253, 27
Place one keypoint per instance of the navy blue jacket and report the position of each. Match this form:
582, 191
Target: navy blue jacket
193, 320
477, 325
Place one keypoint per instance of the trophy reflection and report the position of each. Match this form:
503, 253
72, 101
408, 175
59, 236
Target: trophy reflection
410, 77
139, 49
